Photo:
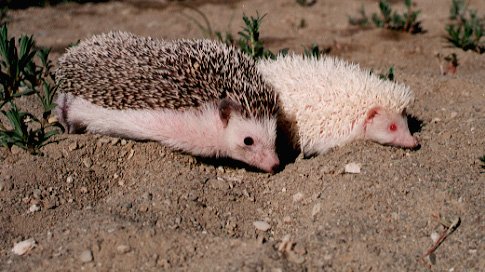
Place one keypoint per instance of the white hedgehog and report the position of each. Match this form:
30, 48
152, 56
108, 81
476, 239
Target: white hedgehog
199, 96
332, 102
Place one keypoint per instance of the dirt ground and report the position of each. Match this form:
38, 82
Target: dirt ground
109, 204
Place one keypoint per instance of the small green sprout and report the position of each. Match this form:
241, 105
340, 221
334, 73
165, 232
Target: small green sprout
388, 76
467, 29
314, 51
362, 20
390, 19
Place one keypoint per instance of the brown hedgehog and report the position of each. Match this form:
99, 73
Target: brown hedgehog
333, 102
199, 96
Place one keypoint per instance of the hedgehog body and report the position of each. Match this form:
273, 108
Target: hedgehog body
333, 102
199, 96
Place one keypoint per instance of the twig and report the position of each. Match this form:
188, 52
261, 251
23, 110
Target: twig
449, 229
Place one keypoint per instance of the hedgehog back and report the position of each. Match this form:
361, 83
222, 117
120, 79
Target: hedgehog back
119, 70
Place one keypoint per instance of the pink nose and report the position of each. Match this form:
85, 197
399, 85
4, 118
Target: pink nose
412, 142
415, 142
275, 168
272, 164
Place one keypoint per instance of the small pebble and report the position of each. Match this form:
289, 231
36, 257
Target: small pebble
316, 209
34, 208
298, 197
130, 155
287, 219
69, 179
352, 168
2, 186
86, 256
23, 247
122, 249
123, 142
104, 140
73, 146
261, 225
114, 141
16, 150
84, 189
87, 162
435, 236
395, 215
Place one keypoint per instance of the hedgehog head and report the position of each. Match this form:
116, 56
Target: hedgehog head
388, 128
248, 139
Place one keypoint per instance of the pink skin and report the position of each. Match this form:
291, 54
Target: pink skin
212, 131
388, 128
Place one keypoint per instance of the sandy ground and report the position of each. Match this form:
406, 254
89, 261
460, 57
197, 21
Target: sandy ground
115, 205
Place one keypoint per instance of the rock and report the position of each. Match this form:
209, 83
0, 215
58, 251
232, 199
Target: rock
73, 146
2, 185
130, 154
261, 225
435, 236
16, 150
34, 208
123, 142
23, 247
316, 209
87, 162
69, 179
103, 140
114, 141
122, 249
352, 168
86, 256
298, 197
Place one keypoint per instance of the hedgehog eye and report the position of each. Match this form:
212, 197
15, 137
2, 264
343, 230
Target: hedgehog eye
393, 127
248, 141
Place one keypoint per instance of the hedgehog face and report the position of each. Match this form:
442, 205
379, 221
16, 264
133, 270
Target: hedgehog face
388, 128
252, 141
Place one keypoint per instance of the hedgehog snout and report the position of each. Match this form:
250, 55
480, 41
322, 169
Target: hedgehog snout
269, 161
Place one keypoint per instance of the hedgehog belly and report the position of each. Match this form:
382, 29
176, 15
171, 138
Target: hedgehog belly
196, 131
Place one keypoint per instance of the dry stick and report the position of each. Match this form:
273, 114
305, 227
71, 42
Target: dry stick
449, 228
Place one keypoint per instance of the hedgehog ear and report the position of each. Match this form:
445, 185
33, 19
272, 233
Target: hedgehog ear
371, 114
227, 107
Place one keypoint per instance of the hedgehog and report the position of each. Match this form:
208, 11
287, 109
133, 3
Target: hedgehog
332, 103
202, 97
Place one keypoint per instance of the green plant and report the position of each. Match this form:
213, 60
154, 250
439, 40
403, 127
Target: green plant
362, 20
457, 9
315, 51
25, 71
467, 29
390, 19
388, 76
249, 41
